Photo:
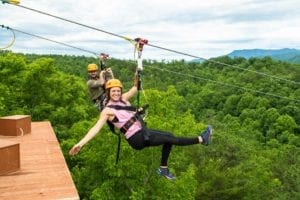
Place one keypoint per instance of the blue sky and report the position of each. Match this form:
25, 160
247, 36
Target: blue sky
202, 28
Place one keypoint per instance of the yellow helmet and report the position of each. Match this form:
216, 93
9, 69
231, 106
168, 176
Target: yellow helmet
113, 83
92, 67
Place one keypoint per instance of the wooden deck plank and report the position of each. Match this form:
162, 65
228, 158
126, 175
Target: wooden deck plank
44, 173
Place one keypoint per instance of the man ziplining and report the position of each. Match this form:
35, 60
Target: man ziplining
97, 80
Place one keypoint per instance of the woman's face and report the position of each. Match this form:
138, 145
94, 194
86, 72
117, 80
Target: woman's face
115, 93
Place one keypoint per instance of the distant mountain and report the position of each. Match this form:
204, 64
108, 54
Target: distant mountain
197, 60
289, 55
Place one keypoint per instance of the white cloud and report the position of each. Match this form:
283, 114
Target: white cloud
205, 29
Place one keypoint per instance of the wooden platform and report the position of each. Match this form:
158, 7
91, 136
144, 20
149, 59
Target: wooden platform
44, 174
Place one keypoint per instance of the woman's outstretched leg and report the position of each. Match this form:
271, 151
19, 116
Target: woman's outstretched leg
166, 139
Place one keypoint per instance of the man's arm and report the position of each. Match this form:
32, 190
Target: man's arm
95, 83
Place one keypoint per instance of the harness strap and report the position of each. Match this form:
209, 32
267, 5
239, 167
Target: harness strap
133, 119
130, 108
112, 129
128, 124
118, 107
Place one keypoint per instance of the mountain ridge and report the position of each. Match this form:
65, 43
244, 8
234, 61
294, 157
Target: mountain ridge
285, 54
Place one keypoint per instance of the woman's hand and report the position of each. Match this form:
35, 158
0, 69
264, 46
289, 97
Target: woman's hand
75, 149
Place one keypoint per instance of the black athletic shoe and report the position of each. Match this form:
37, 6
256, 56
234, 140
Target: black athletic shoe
206, 135
166, 173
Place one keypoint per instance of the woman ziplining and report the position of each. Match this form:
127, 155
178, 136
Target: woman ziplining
122, 115
119, 112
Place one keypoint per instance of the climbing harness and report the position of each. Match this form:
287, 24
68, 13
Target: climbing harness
12, 41
138, 116
139, 112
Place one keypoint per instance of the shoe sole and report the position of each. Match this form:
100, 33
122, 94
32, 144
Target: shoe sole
171, 179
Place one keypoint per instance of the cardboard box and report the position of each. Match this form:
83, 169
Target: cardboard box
9, 157
15, 125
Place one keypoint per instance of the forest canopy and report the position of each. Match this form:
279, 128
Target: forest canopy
253, 105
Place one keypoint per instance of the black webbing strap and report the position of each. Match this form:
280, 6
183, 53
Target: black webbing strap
131, 121
112, 129
127, 125
118, 107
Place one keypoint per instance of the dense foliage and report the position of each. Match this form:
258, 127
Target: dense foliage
256, 146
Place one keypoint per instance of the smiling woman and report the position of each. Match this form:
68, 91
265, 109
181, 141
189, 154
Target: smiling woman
119, 112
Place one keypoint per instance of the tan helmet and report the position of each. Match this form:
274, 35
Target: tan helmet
113, 83
92, 67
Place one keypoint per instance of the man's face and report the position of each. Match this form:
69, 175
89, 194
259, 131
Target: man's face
93, 73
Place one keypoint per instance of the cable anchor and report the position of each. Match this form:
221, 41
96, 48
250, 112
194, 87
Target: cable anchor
15, 2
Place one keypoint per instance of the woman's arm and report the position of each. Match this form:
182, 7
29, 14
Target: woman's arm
129, 94
91, 133
133, 91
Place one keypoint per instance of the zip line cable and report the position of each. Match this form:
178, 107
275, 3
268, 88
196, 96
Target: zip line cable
12, 41
225, 64
226, 84
155, 46
170, 71
70, 21
256, 72
61, 43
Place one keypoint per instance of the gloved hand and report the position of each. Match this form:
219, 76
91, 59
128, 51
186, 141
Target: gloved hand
111, 74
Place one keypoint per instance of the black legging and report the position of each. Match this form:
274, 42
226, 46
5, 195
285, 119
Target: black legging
155, 138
